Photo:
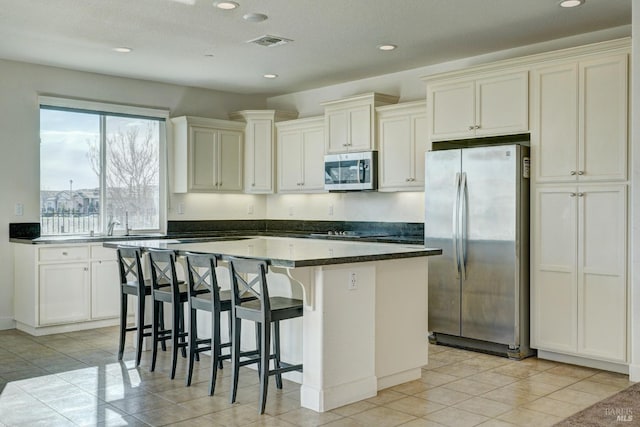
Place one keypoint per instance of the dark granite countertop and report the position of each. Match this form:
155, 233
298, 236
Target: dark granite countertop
289, 251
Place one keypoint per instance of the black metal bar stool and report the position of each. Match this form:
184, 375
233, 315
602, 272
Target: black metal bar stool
264, 310
132, 282
163, 273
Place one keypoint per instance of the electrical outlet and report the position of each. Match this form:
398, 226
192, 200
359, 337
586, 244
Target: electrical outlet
290, 210
330, 210
180, 208
250, 209
353, 281
19, 209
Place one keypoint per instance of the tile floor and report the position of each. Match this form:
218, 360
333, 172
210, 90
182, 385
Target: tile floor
74, 379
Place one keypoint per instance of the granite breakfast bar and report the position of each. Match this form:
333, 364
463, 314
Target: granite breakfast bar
364, 326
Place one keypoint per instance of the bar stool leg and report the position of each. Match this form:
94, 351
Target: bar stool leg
215, 352
123, 323
265, 350
235, 359
175, 333
140, 328
276, 347
155, 333
192, 345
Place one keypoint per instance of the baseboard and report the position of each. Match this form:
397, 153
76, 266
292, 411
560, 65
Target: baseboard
634, 373
7, 323
621, 368
326, 399
71, 327
399, 378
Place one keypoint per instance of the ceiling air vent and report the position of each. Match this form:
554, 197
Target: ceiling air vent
270, 41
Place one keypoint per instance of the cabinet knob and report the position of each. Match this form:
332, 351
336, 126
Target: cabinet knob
471, 127
580, 194
572, 172
572, 194
477, 126
253, 184
65, 253
580, 172
345, 144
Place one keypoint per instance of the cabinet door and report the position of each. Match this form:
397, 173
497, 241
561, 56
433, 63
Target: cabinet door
313, 160
289, 160
554, 133
202, 155
502, 104
259, 155
360, 132
337, 127
602, 282
229, 161
64, 293
395, 152
420, 146
554, 311
105, 289
603, 101
451, 111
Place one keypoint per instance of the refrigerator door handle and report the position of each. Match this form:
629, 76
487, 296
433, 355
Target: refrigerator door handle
455, 235
464, 198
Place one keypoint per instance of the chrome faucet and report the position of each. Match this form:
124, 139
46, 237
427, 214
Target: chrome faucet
112, 223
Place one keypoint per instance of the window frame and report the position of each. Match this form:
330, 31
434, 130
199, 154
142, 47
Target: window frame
98, 107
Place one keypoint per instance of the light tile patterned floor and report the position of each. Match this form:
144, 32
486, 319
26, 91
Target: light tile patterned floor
74, 379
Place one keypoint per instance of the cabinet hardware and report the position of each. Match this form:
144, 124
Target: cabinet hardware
580, 172
477, 127
471, 127
572, 194
580, 194
572, 172
65, 253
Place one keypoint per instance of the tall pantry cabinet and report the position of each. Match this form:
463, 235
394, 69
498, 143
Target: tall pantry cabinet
579, 147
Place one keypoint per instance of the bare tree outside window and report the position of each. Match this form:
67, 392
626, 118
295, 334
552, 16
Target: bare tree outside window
77, 195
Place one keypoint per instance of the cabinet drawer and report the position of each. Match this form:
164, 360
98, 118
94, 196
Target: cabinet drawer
100, 252
63, 253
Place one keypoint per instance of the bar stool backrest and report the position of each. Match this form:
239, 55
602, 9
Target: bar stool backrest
129, 261
163, 270
201, 269
249, 276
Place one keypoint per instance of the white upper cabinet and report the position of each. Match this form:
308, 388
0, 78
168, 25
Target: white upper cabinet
478, 106
259, 144
208, 155
579, 120
350, 123
301, 155
402, 133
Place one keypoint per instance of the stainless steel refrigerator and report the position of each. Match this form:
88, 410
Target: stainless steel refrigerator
477, 211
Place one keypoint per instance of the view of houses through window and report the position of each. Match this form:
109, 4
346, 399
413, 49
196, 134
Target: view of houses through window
99, 172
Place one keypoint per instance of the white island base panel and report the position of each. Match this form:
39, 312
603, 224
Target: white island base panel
364, 328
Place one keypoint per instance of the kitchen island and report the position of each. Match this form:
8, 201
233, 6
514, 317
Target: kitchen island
364, 326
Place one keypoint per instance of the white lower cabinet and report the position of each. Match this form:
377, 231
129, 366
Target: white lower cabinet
65, 287
579, 271
63, 293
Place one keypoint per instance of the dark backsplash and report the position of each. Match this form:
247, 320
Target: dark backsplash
24, 230
403, 229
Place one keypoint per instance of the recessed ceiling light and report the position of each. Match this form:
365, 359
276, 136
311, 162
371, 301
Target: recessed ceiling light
270, 76
571, 3
255, 17
387, 47
225, 5
122, 49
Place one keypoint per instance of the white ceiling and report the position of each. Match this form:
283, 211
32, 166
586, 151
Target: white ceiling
334, 40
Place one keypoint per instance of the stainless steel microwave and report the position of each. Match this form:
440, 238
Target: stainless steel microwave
351, 171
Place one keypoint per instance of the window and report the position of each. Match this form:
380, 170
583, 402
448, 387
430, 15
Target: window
101, 168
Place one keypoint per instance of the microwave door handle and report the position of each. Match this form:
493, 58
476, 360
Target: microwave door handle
360, 170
